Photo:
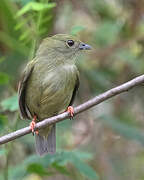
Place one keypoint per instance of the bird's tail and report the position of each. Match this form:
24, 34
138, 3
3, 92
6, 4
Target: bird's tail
46, 144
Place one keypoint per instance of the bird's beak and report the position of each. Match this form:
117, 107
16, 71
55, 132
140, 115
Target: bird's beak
84, 46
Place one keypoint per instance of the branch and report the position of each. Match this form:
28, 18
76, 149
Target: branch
83, 107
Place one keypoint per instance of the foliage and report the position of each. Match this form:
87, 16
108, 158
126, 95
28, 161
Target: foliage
49, 165
110, 137
10, 103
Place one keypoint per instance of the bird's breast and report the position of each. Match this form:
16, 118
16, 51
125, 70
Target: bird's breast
58, 84
54, 91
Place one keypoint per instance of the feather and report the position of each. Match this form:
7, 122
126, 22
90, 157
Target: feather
24, 110
49, 85
74, 91
46, 144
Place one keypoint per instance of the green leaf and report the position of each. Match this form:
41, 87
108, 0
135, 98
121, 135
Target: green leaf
19, 25
25, 35
83, 155
60, 168
38, 169
24, 2
35, 6
4, 78
107, 33
3, 121
36, 164
76, 29
10, 103
85, 169
13, 43
17, 172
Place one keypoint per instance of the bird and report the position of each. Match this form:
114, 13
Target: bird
48, 86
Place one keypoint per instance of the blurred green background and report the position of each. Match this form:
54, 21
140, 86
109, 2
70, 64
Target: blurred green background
106, 142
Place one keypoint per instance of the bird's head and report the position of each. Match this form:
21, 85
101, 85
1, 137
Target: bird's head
62, 45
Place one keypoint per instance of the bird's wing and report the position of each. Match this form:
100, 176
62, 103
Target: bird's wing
24, 112
75, 90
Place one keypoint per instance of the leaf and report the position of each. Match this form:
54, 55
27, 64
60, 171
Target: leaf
106, 10
25, 35
13, 43
38, 169
58, 161
10, 103
46, 19
60, 168
85, 169
83, 155
76, 158
76, 29
4, 78
3, 121
107, 33
24, 2
35, 6
19, 25
17, 172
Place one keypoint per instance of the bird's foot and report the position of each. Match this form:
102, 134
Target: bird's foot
32, 126
70, 110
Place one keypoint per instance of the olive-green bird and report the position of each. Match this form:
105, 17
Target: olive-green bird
49, 85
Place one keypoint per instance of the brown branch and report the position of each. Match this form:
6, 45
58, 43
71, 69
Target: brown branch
83, 107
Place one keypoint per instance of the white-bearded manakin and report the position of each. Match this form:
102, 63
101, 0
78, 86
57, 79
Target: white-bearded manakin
49, 84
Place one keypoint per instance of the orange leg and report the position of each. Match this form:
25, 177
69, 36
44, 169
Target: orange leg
32, 125
70, 110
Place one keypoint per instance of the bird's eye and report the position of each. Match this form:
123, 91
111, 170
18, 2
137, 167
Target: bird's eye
70, 43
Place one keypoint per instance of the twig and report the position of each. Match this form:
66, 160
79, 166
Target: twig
83, 107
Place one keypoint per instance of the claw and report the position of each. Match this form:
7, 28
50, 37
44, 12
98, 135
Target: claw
32, 126
70, 110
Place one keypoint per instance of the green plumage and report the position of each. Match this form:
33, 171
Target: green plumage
49, 84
